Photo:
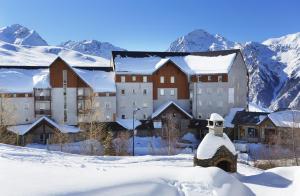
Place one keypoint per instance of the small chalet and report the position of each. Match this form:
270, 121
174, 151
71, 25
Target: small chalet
216, 149
266, 127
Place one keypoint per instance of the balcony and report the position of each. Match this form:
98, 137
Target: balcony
42, 98
43, 112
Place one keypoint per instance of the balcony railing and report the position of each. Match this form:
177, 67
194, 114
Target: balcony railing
43, 112
43, 98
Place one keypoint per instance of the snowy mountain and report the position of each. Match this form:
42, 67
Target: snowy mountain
274, 65
92, 47
20, 35
14, 55
200, 40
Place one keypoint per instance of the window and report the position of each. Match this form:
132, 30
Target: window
26, 95
123, 79
14, 95
172, 92
107, 94
123, 92
220, 78
65, 77
231, 95
199, 90
123, 116
145, 91
162, 92
252, 132
209, 78
42, 106
172, 79
200, 103
199, 78
210, 123
80, 91
107, 105
26, 106
162, 79
199, 115
144, 78
133, 78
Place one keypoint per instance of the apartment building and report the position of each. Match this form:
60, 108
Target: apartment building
189, 85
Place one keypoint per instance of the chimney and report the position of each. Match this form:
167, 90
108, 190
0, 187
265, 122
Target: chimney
216, 124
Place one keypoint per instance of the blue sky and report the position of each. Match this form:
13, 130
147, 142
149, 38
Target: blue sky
151, 25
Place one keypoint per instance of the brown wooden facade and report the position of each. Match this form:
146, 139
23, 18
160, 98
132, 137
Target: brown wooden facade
56, 75
181, 80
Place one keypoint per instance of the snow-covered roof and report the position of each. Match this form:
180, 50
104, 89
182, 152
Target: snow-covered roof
191, 64
228, 119
23, 129
128, 123
287, 118
164, 106
211, 143
99, 81
23, 80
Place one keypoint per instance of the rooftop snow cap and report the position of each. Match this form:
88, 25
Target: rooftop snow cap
215, 124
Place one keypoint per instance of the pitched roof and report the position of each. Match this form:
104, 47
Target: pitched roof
249, 118
23, 129
190, 63
287, 118
165, 106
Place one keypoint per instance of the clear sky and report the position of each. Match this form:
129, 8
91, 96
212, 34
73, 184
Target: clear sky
152, 25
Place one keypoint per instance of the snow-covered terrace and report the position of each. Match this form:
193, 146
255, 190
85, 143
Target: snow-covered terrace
190, 64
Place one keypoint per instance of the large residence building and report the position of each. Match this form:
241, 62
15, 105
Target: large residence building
189, 85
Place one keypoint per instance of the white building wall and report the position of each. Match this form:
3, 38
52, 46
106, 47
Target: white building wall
105, 108
17, 110
125, 103
161, 99
210, 97
57, 104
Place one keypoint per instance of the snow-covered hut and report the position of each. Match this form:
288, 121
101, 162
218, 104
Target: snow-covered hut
216, 149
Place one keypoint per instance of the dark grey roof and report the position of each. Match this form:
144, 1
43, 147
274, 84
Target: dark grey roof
247, 118
140, 54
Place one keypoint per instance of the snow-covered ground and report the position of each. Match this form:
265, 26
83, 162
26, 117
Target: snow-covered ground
30, 171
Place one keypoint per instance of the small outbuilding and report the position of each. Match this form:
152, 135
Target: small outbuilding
216, 149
